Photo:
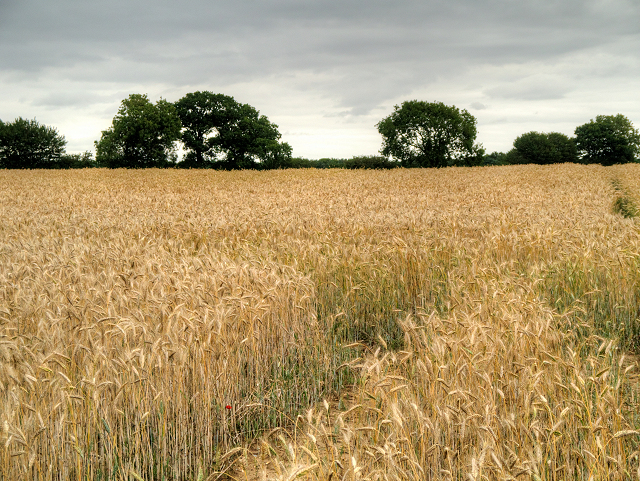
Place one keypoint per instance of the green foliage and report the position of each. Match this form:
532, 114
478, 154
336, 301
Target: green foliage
496, 158
370, 162
362, 301
475, 158
220, 132
248, 138
608, 140
201, 113
514, 158
142, 135
328, 163
77, 161
25, 144
300, 163
356, 162
625, 206
597, 295
423, 134
544, 148
275, 155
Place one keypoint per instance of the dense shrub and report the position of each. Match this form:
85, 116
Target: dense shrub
77, 161
608, 140
496, 158
544, 148
26, 144
370, 162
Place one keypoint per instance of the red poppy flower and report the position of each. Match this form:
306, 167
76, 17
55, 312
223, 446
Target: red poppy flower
228, 406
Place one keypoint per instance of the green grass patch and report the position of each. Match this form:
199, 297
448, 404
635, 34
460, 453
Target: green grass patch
625, 206
362, 300
604, 298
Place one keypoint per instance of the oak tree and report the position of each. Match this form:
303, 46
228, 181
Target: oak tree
608, 140
26, 144
220, 132
544, 148
142, 134
423, 134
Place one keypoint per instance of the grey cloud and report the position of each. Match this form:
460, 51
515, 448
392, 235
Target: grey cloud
70, 98
357, 54
302, 34
542, 89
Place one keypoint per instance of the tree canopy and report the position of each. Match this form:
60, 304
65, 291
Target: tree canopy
544, 148
608, 140
201, 113
218, 131
423, 134
141, 135
26, 144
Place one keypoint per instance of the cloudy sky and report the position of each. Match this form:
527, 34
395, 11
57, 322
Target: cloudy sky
325, 71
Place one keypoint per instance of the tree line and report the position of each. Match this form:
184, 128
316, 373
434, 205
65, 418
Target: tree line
216, 131
607, 140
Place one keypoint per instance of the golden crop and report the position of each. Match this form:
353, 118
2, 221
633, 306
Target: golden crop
462, 323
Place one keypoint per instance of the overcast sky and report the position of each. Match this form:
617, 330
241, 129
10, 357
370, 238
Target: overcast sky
325, 71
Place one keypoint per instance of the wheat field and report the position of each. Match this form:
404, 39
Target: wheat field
460, 323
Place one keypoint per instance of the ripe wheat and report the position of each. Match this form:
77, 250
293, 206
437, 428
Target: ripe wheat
457, 323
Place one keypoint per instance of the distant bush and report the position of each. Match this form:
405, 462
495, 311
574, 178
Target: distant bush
370, 162
329, 163
300, 163
356, 162
76, 161
496, 158
513, 157
544, 148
